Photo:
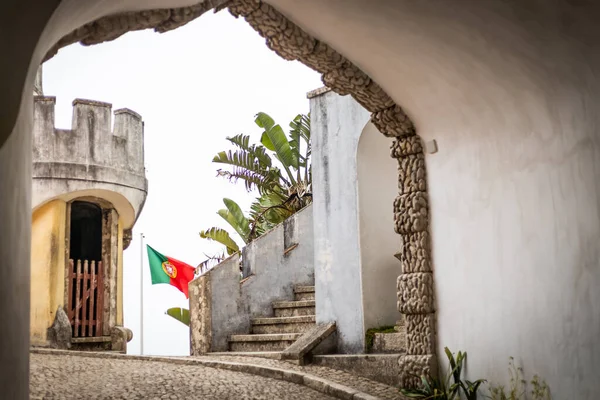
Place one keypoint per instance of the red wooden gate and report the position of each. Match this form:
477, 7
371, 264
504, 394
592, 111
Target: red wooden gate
86, 298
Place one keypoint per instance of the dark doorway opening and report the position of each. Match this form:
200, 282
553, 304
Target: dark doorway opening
86, 275
86, 231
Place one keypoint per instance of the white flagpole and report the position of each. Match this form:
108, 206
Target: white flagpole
141, 294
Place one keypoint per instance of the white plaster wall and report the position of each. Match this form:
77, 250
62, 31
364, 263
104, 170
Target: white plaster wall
336, 125
510, 92
377, 189
354, 186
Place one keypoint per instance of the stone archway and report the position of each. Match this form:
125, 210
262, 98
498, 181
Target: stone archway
415, 290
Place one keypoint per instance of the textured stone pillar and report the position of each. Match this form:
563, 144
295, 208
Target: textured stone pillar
415, 284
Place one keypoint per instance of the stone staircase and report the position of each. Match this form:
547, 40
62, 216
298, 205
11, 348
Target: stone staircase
274, 334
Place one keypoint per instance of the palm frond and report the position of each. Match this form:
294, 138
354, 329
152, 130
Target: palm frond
235, 218
221, 236
180, 314
210, 262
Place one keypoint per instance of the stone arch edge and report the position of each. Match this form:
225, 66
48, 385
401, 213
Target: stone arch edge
415, 285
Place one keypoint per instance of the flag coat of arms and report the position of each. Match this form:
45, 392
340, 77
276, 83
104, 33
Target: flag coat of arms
168, 270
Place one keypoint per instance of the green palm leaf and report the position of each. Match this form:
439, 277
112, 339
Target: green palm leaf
221, 236
180, 314
236, 219
253, 167
242, 141
274, 139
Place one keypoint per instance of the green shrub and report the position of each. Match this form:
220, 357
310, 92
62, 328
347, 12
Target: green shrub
438, 389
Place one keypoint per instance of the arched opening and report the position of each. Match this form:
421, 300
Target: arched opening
85, 274
92, 271
377, 189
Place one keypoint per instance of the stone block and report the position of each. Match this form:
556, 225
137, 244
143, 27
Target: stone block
323, 58
389, 343
59, 334
346, 79
373, 98
420, 334
405, 146
200, 315
307, 342
241, 8
415, 252
283, 36
412, 175
382, 368
411, 213
413, 367
119, 336
393, 122
415, 293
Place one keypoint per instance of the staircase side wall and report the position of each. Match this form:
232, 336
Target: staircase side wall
272, 271
228, 304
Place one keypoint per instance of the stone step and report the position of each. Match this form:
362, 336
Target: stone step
298, 324
304, 289
299, 296
302, 292
293, 308
272, 355
389, 343
262, 342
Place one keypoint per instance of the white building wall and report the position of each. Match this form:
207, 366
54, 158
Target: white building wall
354, 185
511, 94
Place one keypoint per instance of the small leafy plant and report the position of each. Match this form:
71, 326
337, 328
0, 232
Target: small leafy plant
438, 389
518, 391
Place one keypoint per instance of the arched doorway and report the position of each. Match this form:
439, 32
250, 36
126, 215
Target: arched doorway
85, 290
92, 270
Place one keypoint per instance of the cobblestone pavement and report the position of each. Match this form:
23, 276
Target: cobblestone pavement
74, 377
344, 378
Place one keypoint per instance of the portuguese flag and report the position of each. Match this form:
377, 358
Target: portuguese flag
168, 270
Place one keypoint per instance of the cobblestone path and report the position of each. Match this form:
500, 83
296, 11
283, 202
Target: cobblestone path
73, 377
365, 385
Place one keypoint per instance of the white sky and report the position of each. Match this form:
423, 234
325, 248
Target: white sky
193, 87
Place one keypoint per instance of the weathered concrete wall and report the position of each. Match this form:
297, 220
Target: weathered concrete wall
271, 276
47, 267
336, 124
355, 183
91, 156
272, 273
201, 312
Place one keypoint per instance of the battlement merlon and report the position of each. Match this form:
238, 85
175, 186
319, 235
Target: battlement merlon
91, 139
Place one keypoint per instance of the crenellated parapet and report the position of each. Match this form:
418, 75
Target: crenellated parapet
93, 156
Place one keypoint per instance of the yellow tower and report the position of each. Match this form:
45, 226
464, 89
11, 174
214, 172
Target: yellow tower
89, 186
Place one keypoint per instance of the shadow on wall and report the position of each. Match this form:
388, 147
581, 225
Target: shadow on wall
377, 189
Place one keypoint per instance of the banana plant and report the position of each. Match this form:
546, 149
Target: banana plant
180, 314
281, 194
